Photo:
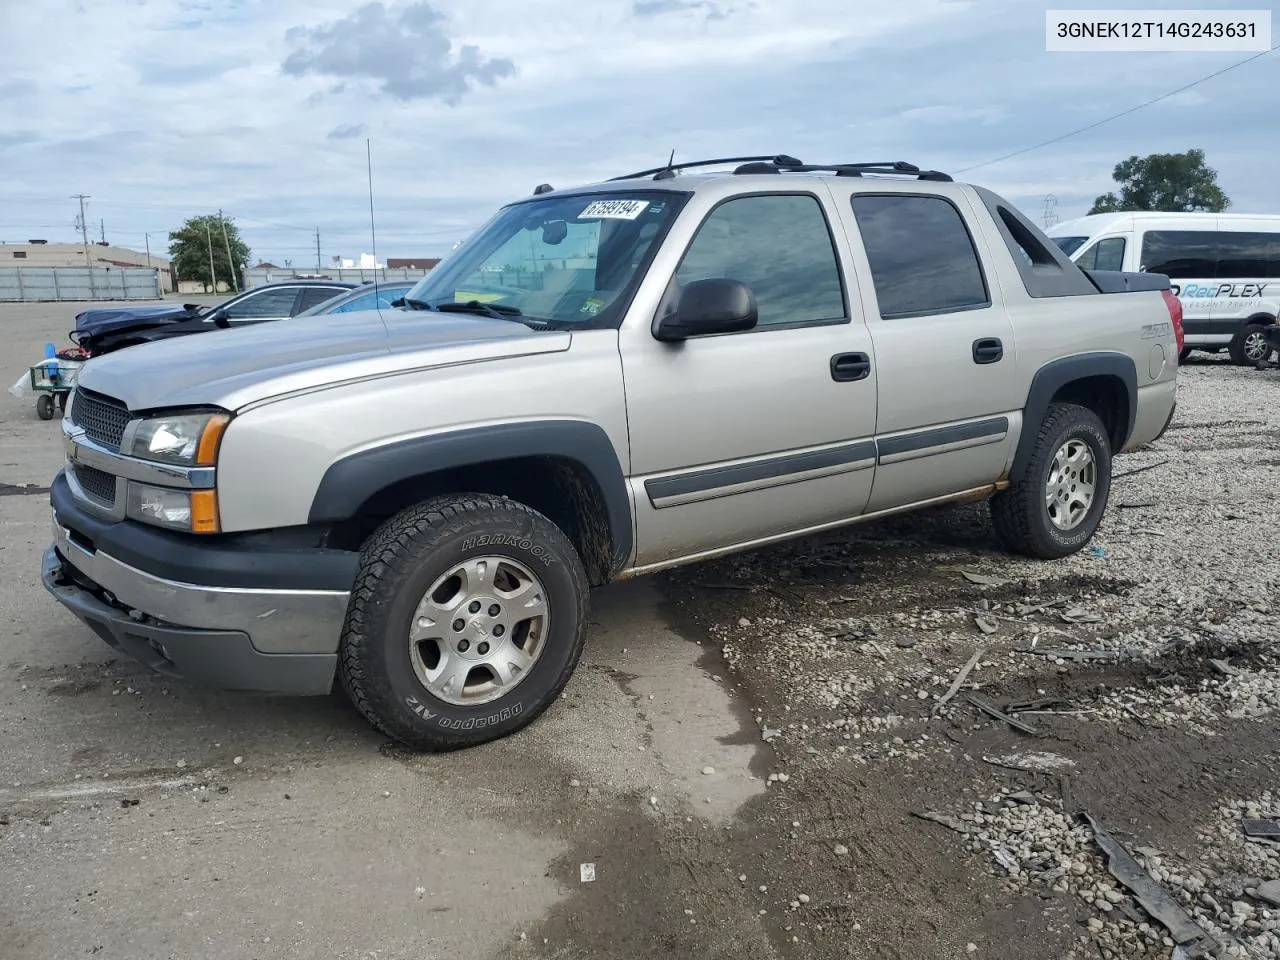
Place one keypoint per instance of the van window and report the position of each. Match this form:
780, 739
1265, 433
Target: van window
1106, 254
1181, 254
1211, 255
1069, 245
1247, 256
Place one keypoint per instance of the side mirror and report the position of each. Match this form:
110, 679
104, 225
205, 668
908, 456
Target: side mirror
397, 302
715, 305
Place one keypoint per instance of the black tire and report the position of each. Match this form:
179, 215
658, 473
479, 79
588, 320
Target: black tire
1183, 354
44, 406
399, 563
1020, 514
1251, 334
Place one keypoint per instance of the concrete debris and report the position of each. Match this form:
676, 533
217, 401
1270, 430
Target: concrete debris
1269, 892
986, 626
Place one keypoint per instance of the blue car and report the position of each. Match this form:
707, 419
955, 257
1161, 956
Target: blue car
368, 296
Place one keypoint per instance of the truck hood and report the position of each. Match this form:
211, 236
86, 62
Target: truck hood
236, 367
100, 320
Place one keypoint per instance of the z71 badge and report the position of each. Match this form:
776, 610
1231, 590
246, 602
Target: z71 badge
1156, 331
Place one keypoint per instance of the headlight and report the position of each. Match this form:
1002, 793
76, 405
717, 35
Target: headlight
192, 511
185, 439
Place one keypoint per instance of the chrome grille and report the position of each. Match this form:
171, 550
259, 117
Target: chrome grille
99, 485
102, 418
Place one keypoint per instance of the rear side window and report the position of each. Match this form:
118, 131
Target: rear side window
314, 296
778, 245
922, 258
1247, 256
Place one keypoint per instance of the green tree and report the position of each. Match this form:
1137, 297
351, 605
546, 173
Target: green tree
189, 248
1176, 182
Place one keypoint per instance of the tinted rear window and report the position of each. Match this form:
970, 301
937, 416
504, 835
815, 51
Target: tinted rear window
922, 257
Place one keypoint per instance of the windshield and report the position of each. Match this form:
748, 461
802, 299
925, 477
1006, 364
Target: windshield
1069, 245
568, 262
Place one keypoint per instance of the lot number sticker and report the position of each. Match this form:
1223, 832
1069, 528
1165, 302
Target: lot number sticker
614, 210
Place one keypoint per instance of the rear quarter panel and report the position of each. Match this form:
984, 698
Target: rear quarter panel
1135, 325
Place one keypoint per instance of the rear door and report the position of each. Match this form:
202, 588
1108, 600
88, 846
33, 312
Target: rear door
944, 344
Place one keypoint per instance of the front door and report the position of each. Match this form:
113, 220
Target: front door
944, 346
741, 437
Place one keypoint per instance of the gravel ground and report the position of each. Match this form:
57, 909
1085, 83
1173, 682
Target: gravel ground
1151, 656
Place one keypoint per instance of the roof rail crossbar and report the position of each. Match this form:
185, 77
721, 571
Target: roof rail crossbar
781, 160
782, 163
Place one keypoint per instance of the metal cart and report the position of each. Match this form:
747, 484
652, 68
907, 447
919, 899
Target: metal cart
51, 381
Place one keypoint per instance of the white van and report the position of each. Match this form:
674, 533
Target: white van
1225, 268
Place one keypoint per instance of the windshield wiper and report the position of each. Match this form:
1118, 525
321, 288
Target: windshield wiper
497, 311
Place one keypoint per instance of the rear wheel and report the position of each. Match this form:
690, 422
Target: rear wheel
1183, 354
44, 406
466, 621
1250, 345
1054, 507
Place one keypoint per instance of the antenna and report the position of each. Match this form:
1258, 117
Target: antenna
667, 172
373, 230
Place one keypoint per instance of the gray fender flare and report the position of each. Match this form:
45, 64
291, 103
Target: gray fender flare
350, 482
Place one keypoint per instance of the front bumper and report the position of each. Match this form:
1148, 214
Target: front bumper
272, 638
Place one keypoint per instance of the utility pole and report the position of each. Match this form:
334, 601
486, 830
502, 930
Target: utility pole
213, 276
102, 225
318, 267
147, 240
235, 281
84, 238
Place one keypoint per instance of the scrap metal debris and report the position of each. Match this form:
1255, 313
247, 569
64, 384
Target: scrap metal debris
958, 682
991, 710
986, 626
1225, 668
1067, 653
952, 823
1261, 829
983, 580
1136, 471
1028, 706
1032, 762
586, 872
1186, 933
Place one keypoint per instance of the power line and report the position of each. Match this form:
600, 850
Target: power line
1122, 113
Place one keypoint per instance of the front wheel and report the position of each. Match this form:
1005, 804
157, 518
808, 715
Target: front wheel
467, 618
1054, 507
44, 406
1250, 346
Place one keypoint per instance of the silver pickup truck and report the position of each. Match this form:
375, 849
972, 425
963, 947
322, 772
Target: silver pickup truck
602, 382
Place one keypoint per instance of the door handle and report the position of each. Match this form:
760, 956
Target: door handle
846, 367
988, 350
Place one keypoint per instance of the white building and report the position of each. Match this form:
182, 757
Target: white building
366, 261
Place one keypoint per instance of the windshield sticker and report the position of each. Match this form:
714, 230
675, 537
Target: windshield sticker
591, 306
614, 210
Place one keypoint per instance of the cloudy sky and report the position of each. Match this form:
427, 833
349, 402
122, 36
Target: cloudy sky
159, 109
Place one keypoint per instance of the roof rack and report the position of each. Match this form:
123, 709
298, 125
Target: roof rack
781, 163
